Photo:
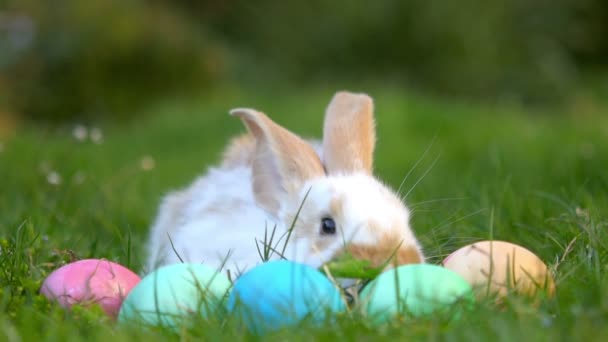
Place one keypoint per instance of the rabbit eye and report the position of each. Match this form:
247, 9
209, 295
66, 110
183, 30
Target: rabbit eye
328, 226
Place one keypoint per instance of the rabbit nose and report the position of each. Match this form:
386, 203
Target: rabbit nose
377, 255
386, 254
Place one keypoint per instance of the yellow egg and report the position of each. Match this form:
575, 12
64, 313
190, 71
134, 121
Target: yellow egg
499, 267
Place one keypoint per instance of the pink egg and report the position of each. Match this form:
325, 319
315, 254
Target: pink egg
90, 281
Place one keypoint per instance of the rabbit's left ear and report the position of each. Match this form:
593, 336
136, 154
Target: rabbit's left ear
349, 134
282, 161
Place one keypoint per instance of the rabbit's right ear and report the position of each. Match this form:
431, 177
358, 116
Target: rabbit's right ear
282, 161
349, 134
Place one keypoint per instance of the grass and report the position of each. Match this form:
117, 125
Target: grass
533, 178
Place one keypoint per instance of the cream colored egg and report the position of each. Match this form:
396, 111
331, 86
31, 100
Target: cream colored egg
499, 267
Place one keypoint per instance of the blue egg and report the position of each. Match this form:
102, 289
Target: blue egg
281, 293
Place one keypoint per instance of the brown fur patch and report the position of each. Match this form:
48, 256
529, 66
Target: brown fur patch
336, 206
386, 250
349, 135
374, 226
239, 152
408, 255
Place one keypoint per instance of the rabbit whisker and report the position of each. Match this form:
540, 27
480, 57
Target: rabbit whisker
416, 164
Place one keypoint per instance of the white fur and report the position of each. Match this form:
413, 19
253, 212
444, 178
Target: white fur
200, 234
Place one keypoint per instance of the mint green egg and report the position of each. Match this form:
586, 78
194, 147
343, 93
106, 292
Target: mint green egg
415, 291
170, 293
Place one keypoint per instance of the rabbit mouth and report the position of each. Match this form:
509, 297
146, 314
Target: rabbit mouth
386, 254
346, 266
368, 261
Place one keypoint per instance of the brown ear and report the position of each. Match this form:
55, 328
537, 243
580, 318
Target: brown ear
349, 134
282, 161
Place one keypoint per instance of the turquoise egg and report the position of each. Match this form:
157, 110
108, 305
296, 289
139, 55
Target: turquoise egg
415, 290
170, 293
281, 293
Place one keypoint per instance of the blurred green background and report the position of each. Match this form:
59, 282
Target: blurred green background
89, 60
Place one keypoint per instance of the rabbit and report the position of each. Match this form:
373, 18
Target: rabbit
266, 176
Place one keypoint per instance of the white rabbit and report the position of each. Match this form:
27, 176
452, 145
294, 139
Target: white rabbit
266, 175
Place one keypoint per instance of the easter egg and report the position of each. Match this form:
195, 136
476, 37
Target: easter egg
415, 290
90, 281
281, 293
498, 267
171, 293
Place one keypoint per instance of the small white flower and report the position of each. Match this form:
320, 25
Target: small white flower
80, 133
147, 163
96, 135
53, 178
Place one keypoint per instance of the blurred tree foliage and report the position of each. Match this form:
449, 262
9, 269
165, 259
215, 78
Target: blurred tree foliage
532, 50
69, 57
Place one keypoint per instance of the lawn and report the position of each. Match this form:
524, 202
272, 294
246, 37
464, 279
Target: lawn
474, 171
